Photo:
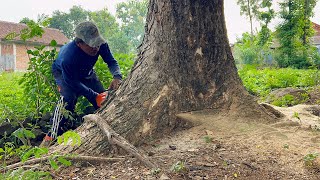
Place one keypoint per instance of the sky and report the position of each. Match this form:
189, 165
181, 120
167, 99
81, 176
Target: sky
15, 10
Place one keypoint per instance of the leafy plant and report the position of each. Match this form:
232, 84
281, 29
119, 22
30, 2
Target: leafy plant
208, 139
309, 159
24, 135
64, 138
261, 82
179, 167
38, 82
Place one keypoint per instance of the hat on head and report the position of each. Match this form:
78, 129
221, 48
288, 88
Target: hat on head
89, 33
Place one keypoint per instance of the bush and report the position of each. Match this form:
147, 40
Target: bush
260, 82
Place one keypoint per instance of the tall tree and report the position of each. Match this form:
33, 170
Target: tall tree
266, 14
249, 9
110, 30
294, 31
184, 64
132, 16
66, 22
307, 7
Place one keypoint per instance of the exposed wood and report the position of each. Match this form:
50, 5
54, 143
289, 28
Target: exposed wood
115, 138
73, 158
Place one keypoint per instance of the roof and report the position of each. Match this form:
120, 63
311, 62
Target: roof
48, 35
316, 27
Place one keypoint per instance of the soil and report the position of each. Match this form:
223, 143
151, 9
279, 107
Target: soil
219, 147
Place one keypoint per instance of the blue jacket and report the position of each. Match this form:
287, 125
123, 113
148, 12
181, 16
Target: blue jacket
75, 65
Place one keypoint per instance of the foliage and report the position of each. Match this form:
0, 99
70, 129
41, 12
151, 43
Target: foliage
310, 159
293, 33
66, 22
12, 106
261, 81
249, 8
110, 30
179, 167
25, 174
76, 140
208, 139
132, 14
247, 50
38, 82
265, 17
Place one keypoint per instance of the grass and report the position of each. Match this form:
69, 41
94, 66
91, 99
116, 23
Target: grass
261, 82
12, 104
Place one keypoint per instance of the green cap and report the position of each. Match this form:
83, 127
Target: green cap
89, 33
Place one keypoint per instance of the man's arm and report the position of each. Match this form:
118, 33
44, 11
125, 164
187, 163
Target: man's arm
108, 58
70, 76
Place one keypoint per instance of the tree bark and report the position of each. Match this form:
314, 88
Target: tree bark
184, 64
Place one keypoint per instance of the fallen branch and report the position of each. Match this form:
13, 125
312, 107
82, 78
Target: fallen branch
73, 158
115, 138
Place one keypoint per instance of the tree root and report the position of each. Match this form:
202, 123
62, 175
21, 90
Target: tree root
115, 138
73, 158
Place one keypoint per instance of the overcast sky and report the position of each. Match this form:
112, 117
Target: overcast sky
15, 10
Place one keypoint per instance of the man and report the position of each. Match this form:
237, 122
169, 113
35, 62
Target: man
74, 74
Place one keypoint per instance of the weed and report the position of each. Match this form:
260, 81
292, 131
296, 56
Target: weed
179, 167
208, 139
310, 159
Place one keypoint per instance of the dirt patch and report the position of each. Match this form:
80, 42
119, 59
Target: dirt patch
221, 148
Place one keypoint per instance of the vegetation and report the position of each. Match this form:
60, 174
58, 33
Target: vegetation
260, 82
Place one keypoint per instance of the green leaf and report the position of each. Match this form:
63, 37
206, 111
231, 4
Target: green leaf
28, 133
64, 161
53, 164
53, 43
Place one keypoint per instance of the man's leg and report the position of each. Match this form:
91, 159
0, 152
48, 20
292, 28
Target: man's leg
67, 102
95, 84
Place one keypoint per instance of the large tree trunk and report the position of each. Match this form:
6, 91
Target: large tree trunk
185, 64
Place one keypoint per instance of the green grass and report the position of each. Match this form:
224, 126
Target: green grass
12, 104
261, 82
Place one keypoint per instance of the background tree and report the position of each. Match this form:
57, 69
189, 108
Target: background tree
266, 14
184, 64
66, 22
111, 31
25, 20
249, 9
132, 15
293, 33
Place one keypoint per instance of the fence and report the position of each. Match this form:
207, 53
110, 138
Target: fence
7, 63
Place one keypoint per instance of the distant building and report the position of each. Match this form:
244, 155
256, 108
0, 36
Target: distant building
13, 53
315, 40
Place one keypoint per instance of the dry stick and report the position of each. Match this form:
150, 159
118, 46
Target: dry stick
74, 158
115, 138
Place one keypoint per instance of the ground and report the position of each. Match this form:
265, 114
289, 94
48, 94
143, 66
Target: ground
218, 147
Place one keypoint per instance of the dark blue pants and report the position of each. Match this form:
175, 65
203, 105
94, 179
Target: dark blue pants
70, 97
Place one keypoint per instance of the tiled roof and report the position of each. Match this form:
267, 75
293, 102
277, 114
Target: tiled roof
48, 35
316, 27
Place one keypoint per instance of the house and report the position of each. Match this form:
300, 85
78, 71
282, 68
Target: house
315, 39
13, 53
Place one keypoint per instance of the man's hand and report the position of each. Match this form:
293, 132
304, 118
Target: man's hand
114, 85
101, 97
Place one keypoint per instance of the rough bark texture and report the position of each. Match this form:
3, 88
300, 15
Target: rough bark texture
185, 64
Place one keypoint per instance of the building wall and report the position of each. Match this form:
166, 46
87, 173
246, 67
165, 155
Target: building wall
22, 58
18, 54
6, 49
